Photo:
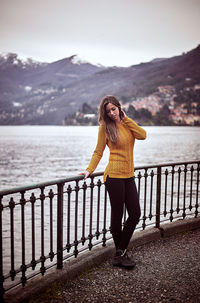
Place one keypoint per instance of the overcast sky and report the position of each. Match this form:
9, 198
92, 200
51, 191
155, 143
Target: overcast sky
108, 32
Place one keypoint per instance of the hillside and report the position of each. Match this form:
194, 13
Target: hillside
45, 93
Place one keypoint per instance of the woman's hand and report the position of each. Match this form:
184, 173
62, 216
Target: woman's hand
85, 174
123, 114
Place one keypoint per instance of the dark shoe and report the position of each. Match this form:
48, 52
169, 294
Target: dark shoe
117, 260
123, 260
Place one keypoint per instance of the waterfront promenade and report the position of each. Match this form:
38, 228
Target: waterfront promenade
167, 270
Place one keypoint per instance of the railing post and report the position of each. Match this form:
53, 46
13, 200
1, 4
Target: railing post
158, 196
1, 254
197, 192
60, 226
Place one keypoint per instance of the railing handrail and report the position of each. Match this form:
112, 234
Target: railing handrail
80, 177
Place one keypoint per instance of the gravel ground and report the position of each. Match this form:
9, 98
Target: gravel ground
167, 270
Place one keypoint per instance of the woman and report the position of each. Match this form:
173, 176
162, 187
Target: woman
119, 133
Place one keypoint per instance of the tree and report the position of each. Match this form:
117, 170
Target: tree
132, 112
163, 116
87, 109
145, 114
142, 115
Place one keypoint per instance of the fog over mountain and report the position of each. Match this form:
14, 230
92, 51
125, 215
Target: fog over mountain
45, 93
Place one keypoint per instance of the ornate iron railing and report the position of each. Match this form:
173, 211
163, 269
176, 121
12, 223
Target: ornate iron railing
44, 224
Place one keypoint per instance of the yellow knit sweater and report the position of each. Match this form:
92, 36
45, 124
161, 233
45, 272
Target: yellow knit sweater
121, 154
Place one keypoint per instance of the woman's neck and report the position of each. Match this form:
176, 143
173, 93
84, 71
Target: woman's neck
118, 121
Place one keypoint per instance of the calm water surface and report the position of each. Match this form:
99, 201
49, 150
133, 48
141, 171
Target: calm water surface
32, 154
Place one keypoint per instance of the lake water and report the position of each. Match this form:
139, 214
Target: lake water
33, 154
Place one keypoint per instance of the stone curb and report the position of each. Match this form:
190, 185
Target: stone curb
179, 226
85, 261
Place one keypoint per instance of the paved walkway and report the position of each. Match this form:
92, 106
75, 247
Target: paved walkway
167, 270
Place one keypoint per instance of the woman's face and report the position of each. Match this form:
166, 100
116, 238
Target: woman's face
113, 112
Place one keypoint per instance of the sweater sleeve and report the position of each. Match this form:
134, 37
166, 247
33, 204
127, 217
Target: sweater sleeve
98, 152
138, 132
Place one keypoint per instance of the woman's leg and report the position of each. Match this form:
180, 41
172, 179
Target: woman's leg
116, 191
133, 209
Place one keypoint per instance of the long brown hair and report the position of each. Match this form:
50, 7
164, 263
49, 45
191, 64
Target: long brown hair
109, 125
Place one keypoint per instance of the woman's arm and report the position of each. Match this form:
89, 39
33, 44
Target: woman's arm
138, 132
98, 153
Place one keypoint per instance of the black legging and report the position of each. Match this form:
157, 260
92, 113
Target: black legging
123, 191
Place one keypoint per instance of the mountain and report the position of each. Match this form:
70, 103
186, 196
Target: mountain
33, 93
45, 93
